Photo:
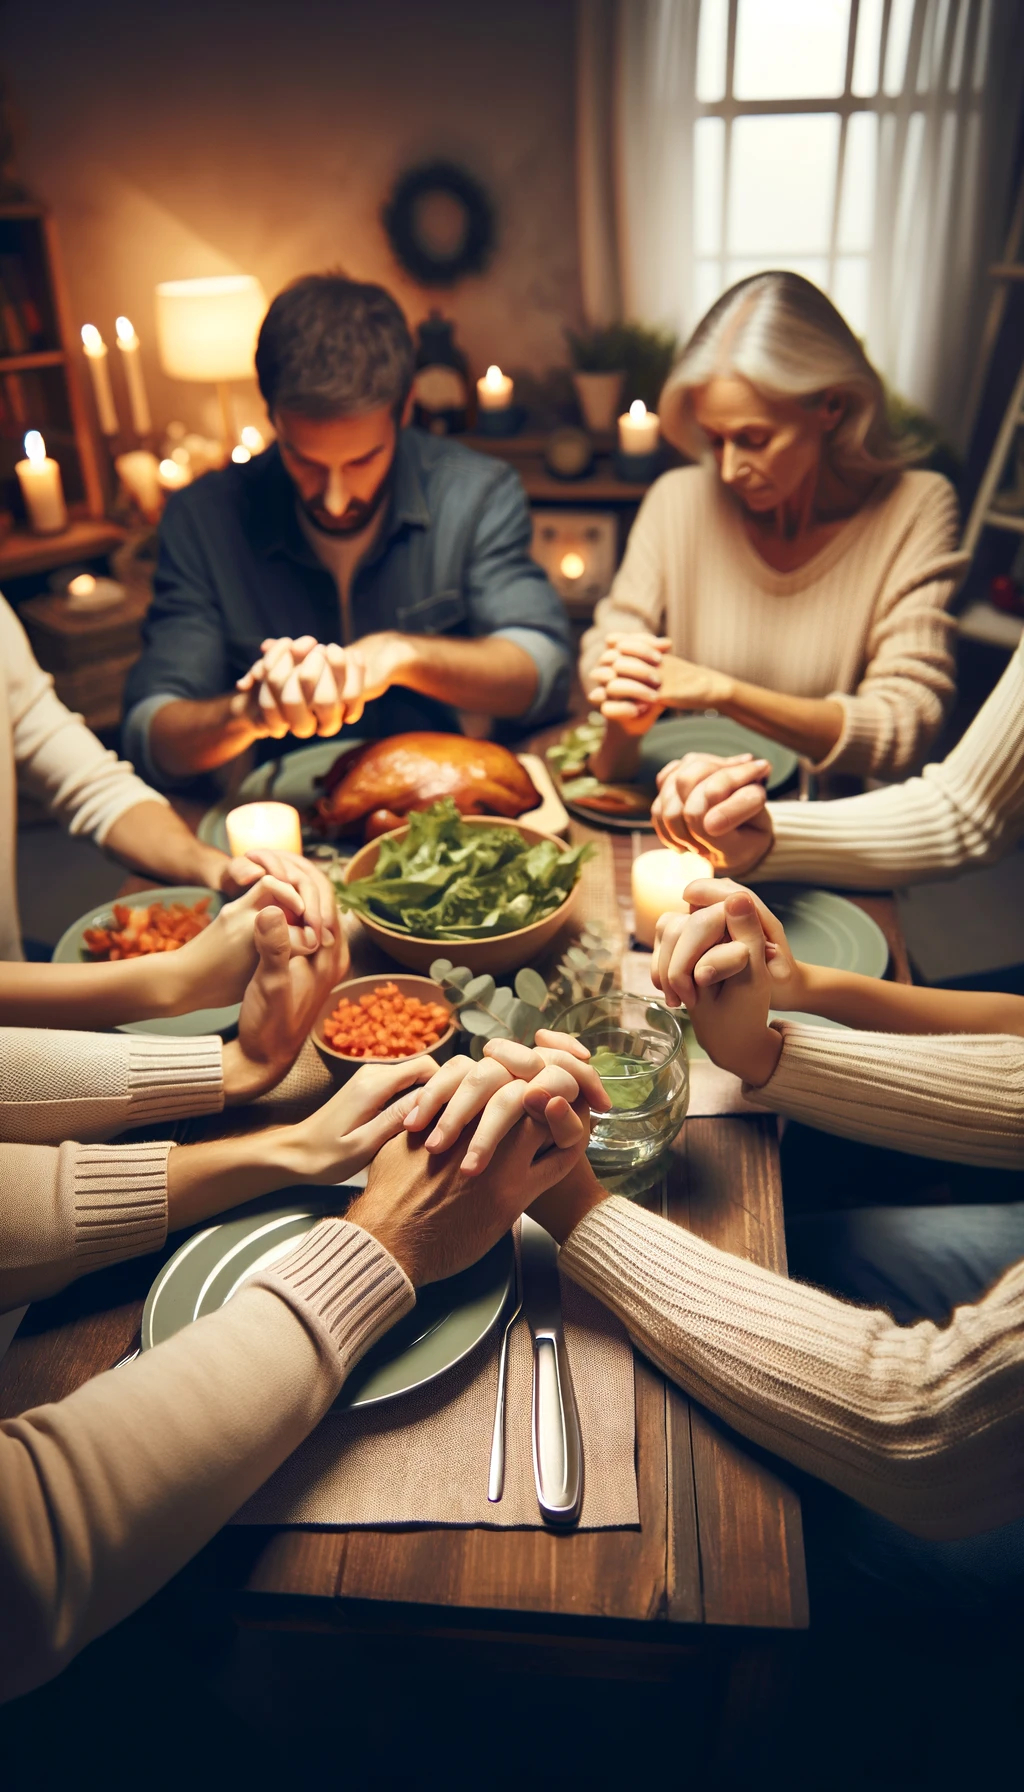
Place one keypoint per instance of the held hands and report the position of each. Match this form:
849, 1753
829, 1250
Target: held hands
213, 969
304, 688
728, 962
638, 676
279, 1006
717, 805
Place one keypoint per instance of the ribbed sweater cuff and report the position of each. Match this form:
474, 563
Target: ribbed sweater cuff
119, 1195
171, 1077
345, 1287
954, 1095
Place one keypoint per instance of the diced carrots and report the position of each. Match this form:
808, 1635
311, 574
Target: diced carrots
155, 927
385, 1024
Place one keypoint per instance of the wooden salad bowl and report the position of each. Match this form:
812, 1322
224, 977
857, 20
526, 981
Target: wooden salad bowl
505, 952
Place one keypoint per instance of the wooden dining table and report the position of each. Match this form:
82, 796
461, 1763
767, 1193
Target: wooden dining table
717, 1562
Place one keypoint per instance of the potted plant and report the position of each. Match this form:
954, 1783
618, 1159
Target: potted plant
617, 363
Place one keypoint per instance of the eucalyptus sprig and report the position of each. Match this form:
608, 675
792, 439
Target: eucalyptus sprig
485, 1011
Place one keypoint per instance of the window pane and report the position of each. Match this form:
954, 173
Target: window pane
869, 42
708, 154
857, 206
812, 267
850, 292
933, 45
900, 20
711, 44
981, 45
795, 51
707, 284
956, 61
781, 185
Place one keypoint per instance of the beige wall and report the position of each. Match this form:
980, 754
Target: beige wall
261, 136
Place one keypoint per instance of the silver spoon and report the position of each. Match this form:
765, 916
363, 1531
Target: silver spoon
496, 1476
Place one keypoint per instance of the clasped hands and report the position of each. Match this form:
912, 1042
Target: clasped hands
728, 962
638, 675
305, 687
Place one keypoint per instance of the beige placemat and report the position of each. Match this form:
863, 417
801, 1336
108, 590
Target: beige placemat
423, 1458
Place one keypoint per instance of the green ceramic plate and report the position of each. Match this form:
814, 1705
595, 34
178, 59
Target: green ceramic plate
449, 1320
290, 779
675, 735
822, 929
70, 949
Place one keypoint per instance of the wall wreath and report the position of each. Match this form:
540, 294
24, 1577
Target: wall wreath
440, 224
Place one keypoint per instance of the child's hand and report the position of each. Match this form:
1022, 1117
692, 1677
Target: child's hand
718, 970
788, 975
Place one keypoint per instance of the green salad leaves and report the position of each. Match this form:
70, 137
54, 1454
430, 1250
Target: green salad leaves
449, 879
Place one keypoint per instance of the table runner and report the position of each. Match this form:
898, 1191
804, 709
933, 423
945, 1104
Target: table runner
423, 1458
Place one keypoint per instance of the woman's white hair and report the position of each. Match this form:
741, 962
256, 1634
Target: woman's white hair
781, 333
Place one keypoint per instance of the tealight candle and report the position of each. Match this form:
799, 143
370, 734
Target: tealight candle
659, 879
39, 479
128, 343
494, 391
275, 825
85, 592
638, 429
99, 369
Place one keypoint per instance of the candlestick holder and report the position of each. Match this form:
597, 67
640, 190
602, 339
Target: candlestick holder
638, 469
506, 422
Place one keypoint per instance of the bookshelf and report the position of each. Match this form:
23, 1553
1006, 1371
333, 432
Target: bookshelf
40, 389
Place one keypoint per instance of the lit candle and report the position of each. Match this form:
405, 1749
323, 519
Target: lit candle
572, 565
659, 879
39, 478
171, 475
275, 825
253, 439
638, 429
128, 343
99, 367
88, 593
494, 391
139, 472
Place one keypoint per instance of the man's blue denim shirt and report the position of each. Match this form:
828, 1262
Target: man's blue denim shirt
453, 558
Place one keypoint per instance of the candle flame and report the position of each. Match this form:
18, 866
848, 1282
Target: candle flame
91, 338
125, 332
572, 566
252, 439
240, 454
638, 410
83, 586
35, 447
494, 379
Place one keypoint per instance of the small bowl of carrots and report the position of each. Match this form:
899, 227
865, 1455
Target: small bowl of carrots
382, 1020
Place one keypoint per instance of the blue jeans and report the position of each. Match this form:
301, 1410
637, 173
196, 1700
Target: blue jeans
917, 1262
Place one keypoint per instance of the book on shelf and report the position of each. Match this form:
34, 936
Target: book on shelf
15, 336
29, 313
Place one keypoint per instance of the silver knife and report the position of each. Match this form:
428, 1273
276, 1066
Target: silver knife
557, 1444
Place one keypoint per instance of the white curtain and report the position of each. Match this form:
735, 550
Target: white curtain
945, 145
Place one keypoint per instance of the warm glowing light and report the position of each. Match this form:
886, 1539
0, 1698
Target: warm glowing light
659, 879
572, 566
276, 825
252, 439
125, 331
83, 586
494, 379
240, 454
637, 410
35, 447
172, 476
92, 340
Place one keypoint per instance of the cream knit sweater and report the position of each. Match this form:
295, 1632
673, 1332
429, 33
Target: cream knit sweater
864, 622
56, 758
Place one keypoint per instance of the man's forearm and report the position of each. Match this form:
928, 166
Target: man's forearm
872, 1005
493, 675
152, 837
187, 736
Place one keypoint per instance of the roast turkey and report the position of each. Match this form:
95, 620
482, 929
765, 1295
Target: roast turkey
378, 784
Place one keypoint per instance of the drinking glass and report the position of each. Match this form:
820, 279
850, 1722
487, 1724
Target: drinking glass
639, 1053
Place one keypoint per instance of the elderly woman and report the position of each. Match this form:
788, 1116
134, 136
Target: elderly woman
797, 579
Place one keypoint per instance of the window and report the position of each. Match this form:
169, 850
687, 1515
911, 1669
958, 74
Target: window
804, 109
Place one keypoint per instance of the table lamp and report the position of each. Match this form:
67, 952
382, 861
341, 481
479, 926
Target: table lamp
207, 330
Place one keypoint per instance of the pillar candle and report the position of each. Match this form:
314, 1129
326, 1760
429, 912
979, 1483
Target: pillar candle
275, 825
99, 368
494, 391
39, 478
138, 470
128, 343
638, 429
659, 879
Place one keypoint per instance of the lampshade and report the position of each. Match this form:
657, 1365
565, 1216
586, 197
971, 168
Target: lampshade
207, 329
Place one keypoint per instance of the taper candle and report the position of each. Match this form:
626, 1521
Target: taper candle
128, 343
99, 368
